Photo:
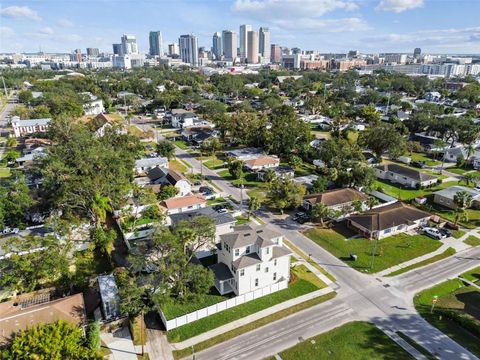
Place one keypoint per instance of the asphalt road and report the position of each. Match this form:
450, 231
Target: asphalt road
387, 302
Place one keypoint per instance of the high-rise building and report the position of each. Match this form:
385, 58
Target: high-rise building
264, 43
244, 29
353, 54
275, 53
217, 48
156, 43
129, 44
229, 44
252, 48
173, 49
417, 52
118, 49
93, 52
188, 45
77, 55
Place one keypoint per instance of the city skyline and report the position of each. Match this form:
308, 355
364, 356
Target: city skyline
321, 25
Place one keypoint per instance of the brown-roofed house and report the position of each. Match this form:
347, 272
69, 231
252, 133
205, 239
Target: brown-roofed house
31, 309
388, 220
183, 204
263, 162
337, 199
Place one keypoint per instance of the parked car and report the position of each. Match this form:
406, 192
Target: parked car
298, 215
301, 217
222, 211
446, 232
418, 164
205, 189
434, 233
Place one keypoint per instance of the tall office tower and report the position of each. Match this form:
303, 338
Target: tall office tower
244, 29
129, 44
156, 43
264, 42
275, 53
77, 55
188, 45
417, 52
296, 51
229, 44
173, 49
353, 54
252, 48
217, 48
93, 52
118, 49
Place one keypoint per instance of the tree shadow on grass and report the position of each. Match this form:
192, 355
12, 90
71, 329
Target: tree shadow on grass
471, 300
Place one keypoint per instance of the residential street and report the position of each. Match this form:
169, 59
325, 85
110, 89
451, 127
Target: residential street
385, 301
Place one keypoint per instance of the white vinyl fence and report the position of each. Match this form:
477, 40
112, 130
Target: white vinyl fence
224, 305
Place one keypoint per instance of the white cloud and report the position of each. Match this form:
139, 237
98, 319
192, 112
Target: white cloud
273, 9
64, 23
6, 31
398, 6
19, 12
325, 25
46, 30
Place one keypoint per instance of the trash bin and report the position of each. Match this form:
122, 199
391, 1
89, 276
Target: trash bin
353, 257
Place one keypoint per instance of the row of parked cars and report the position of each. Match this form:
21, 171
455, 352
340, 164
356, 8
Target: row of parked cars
436, 233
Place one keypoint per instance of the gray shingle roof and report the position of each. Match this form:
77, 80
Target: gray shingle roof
219, 218
221, 271
405, 171
246, 261
248, 235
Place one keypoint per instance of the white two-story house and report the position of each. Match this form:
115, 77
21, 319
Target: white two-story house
250, 258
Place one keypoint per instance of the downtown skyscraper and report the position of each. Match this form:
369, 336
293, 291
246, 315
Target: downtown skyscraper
217, 46
156, 43
244, 29
188, 46
252, 48
229, 40
129, 44
264, 43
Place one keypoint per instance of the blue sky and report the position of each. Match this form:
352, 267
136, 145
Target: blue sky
437, 26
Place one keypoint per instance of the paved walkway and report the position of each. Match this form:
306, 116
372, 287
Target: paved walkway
120, 344
248, 319
456, 244
157, 345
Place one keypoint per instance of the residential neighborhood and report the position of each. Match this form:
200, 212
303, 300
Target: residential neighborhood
197, 205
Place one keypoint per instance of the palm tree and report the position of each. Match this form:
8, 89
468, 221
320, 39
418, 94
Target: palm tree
253, 205
99, 208
468, 178
321, 211
463, 201
371, 202
357, 205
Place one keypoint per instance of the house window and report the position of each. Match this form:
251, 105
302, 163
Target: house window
242, 272
247, 250
256, 282
266, 269
274, 276
267, 250
275, 262
237, 252
258, 267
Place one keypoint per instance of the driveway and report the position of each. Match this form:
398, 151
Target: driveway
120, 344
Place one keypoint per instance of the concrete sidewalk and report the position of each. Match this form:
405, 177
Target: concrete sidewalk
120, 344
456, 244
248, 319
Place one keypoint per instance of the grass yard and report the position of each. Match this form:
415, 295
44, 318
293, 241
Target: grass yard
4, 172
174, 309
473, 215
472, 241
449, 252
214, 164
321, 134
177, 166
356, 340
390, 251
408, 194
242, 220
299, 286
179, 354
457, 234
181, 144
423, 157
457, 312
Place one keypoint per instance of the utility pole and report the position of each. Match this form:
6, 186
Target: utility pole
375, 241
142, 329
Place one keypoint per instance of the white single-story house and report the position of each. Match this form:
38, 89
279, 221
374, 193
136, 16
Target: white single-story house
261, 163
338, 200
245, 153
31, 126
455, 153
403, 175
183, 204
280, 172
144, 164
388, 220
250, 258
445, 197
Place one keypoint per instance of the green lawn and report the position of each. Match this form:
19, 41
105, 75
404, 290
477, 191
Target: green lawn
408, 194
457, 312
473, 215
390, 251
4, 172
457, 234
177, 166
449, 252
423, 157
462, 171
181, 144
214, 164
356, 340
175, 309
298, 287
472, 240
242, 220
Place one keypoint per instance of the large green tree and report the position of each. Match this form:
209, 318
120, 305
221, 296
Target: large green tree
384, 138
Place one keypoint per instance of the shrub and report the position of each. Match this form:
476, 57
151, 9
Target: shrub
93, 335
